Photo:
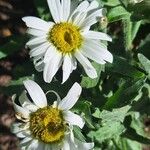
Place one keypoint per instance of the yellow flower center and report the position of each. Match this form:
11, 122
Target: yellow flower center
47, 124
65, 37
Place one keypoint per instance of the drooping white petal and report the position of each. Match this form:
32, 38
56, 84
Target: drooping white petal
36, 23
39, 49
39, 66
73, 95
36, 93
95, 51
52, 67
97, 35
50, 53
73, 119
89, 69
67, 67
36, 32
83, 146
22, 112
37, 40
65, 9
92, 19
55, 8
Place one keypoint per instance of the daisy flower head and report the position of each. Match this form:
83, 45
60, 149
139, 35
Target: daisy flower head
68, 39
45, 127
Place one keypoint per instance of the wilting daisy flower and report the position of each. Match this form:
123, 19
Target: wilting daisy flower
67, 39
47, 127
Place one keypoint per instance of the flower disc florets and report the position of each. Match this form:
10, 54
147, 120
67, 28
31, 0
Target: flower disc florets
47, 124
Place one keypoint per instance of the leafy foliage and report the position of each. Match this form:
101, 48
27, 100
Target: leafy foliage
115, 104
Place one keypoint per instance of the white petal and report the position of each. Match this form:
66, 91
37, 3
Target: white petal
22, 112
25, 141
74, 63
81, 8
50, 53
73, 95
37, 40
65, 9
84, 146
66, 145
55, 8
93, 5
67, 67
92, 19
95, 51
79, 18
39, 66
73, 119
97, 35
36, 93
39, 50
37, 23
89, 69
36, 32
52, 67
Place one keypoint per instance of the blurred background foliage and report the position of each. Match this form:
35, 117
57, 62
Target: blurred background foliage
116, 105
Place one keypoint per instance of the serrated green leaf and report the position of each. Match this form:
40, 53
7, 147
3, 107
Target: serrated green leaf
112, 116
117, 13
107, 132
87, 82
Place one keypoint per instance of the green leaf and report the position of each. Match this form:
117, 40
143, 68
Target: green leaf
117, 13
14, 44
141, 11
144, 47
87, 82
125, 94
107, 132
111, 2
122, 67
112, 116
132, 134
145, 63
127, 144
78, 134
83, 107
15, 86
42, 9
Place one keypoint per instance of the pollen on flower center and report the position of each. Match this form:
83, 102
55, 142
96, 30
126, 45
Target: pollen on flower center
65, 37
47, 124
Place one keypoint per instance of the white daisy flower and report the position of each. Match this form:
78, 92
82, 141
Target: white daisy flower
67, 39
45, 127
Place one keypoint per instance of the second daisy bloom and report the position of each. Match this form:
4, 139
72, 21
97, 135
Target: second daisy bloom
67, 39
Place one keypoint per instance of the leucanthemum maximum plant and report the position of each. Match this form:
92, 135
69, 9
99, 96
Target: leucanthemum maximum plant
68, 39
45, 127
